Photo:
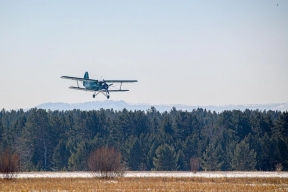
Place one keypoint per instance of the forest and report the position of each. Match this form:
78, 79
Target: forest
148, 140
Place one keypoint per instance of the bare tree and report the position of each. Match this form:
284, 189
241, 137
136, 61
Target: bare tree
279, 167
106, 163
9, 164
194, 164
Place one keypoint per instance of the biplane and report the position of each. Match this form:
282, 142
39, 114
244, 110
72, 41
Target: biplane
97, 86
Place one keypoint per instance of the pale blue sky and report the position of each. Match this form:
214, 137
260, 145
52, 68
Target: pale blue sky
181, 52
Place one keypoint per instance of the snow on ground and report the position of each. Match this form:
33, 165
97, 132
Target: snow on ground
214, 174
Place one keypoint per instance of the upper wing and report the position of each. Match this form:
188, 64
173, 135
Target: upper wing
79, 79
93, 80
120, 81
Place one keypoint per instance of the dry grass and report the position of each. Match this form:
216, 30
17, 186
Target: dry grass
146, 184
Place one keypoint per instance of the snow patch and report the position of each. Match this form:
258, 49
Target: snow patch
216, 174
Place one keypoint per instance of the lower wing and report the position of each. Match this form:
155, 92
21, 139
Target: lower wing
103, 90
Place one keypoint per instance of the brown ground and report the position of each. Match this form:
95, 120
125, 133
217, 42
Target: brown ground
145, 184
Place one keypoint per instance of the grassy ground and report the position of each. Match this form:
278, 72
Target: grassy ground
145, 184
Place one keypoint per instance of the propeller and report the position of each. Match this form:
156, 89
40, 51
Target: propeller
106, 86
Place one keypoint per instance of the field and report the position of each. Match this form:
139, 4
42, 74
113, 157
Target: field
145, 183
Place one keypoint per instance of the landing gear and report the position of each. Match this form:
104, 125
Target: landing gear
106, 94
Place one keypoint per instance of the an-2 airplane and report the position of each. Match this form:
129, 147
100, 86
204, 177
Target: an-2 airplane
97, 86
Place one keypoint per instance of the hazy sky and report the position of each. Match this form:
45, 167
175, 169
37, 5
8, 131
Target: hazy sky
181, 52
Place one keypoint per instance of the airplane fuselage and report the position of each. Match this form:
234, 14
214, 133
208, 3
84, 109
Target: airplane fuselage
95, 86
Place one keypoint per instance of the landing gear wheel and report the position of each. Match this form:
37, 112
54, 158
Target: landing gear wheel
93, 95
108, 96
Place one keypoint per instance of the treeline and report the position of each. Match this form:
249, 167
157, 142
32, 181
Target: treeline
148, 140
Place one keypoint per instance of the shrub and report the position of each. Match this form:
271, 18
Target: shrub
106, 163
9, 164
194, 164
279, 167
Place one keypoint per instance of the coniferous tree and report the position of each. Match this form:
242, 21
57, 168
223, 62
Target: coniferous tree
136, 156
212, 158
167, 125
264, 154
280, 153
281, 127
244, 158
191, 148
260, 123
140, 123
1, 133
151, 153
228, 143
78, 160
42, 137
60, 156
182, 165
20, 143
39, 136
166, 159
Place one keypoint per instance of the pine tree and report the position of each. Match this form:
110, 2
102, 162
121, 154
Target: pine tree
244, 158
166, 159
167, 125
280, 153
152, 151
264, 154
136, 156
182, 165
40, 136
60, 156
191, 148
47, 140
228, 143
1, 134
212, 159
78, 160
281, 128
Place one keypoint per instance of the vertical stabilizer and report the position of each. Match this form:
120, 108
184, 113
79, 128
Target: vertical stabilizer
86, 76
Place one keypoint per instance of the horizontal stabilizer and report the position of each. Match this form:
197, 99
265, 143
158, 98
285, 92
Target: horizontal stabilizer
79, 88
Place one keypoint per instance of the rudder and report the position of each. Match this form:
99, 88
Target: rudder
86, 76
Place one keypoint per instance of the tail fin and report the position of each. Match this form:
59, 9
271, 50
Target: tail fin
86, 76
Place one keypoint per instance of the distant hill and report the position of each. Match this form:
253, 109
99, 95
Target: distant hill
120, 105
